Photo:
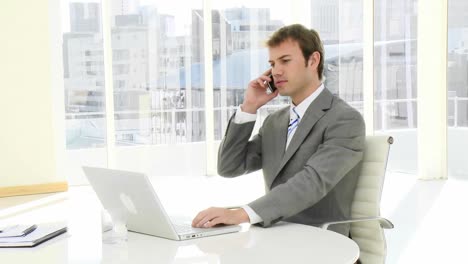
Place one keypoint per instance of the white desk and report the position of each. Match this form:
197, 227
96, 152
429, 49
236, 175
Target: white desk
282, 243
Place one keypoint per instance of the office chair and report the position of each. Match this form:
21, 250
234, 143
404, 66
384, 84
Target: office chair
366, 223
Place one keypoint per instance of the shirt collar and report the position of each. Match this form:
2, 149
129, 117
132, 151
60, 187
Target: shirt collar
302, 107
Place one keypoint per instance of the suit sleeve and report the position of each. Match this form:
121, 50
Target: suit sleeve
237, 154
341, 150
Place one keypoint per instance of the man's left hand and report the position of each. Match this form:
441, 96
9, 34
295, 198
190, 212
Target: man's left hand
216, 215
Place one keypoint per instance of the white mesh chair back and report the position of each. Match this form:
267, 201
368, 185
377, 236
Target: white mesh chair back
369, 235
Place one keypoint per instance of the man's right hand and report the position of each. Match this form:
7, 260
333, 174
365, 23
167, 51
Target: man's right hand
255, 95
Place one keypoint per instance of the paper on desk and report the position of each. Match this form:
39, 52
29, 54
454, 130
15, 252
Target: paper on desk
14, 231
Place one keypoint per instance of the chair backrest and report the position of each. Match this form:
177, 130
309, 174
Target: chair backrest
369, 235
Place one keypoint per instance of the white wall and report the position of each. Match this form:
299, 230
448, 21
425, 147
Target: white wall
27, 139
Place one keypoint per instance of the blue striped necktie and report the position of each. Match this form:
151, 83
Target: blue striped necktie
294, 122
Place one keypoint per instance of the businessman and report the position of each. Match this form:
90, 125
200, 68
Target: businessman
309, 152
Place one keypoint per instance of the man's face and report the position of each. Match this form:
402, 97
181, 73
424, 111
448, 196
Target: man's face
291, 75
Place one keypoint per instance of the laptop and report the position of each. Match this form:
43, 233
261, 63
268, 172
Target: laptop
133, 193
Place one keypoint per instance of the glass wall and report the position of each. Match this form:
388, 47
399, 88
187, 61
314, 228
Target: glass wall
395, 60
158, 82
158, 74
240, 31
339, 23
457, 86
83, 73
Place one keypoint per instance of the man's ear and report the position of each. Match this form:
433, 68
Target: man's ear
314, 58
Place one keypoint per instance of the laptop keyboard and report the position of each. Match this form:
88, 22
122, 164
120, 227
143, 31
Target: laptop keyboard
186, 231
184, 228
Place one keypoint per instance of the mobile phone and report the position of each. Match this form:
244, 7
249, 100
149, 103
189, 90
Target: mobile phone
271, 85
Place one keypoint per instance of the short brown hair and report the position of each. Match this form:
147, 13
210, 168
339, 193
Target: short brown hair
308, 40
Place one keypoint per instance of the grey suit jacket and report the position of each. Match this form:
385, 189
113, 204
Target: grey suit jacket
313, 181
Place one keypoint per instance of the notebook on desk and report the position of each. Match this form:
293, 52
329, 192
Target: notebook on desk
40, 234
133, 193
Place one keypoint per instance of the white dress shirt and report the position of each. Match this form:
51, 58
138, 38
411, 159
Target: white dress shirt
243, 117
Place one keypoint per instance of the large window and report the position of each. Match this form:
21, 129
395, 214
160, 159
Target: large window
395, 32
159, 69
339, 23
158, 82
83, 73
457, 86
240, 31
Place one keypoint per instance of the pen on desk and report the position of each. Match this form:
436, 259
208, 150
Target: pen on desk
29, 230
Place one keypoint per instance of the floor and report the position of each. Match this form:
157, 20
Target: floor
430, 219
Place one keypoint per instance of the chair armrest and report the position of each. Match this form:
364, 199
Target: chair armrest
384, 223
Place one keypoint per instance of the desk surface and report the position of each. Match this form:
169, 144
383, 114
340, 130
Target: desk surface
282, 243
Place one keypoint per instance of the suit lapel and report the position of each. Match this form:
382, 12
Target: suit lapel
281, 130
276, 143
315, 111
